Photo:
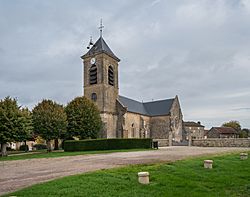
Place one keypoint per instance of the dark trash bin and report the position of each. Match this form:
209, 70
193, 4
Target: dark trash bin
155, 144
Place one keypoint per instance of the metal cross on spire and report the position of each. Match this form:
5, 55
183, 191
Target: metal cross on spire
101, 28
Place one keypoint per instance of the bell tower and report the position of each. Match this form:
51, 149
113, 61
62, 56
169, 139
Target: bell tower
101, 82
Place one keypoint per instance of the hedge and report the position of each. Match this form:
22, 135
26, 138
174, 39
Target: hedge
40, 146
106, 144
24, 147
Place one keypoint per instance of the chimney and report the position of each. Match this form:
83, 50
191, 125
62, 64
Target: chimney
199, 122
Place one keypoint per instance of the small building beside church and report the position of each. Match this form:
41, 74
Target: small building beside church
194, 129
222, 132
124, 117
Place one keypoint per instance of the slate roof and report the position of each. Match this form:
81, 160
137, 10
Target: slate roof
100, 47
225, 130
154, 108
192, 124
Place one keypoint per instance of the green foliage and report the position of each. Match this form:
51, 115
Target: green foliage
106, 144
39, 140
49, 120
244, 133
15, 123
84, 119
233, 124
24, 147
26, 126
10, 119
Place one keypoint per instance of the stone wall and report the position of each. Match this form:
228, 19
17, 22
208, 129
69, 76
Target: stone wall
176, 121
159, 127
196, 132
222, 142
135, 126
162, 142
109, 130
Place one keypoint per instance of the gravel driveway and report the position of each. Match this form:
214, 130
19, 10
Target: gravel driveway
18, 174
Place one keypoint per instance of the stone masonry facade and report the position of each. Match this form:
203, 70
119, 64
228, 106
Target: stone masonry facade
123, 117
156, 127
222, 142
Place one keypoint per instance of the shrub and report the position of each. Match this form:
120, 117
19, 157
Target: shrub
9, 148
40, 146
24, 147
106, 144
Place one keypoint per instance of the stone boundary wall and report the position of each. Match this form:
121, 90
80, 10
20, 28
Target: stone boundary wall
162, 142
222, 142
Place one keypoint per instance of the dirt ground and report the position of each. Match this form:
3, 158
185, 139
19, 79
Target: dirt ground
18, 174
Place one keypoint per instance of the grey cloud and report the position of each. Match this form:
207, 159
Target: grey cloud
241, 109
195, 49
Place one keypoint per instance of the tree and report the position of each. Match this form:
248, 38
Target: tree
26, 126
84, 118
10, 119
244, 133
233, 124
49, 121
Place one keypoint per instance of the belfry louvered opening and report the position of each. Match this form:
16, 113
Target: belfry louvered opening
93, 75
111, 76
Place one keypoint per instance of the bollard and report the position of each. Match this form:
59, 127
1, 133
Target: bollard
208, 164
143, 177
243, 156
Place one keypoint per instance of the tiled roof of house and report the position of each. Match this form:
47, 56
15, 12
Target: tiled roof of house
206, 131
99, 47
154, 108
192, 124
225, 130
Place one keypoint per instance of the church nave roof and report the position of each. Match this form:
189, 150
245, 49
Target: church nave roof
153, 108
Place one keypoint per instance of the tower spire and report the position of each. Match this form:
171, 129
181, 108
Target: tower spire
101, 28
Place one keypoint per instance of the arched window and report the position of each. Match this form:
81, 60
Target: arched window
93, 75
93, 97
132, 130
111, 76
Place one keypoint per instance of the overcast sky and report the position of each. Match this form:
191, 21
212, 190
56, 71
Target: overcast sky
198, 50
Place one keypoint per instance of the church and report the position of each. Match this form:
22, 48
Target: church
124, 117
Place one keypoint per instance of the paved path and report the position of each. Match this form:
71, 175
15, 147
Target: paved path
18, 174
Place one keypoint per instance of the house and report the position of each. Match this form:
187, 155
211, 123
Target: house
222, 132
205, 133
195, 129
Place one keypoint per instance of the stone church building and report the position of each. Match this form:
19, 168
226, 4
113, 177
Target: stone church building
124, 117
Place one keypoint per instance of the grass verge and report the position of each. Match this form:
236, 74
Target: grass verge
43, 154
229, 177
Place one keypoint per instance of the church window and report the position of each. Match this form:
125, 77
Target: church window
93, 97
132, 131
111, 76
93, 75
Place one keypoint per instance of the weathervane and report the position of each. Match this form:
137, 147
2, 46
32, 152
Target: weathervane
90, 43
101, 27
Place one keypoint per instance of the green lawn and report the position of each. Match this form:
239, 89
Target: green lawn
44, 154
229, 177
